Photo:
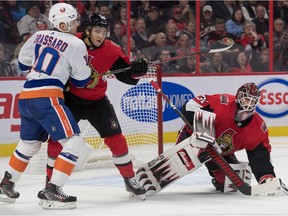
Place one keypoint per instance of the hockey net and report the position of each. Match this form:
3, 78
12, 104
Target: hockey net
140, 119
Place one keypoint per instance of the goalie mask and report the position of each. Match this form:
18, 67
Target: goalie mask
246, 100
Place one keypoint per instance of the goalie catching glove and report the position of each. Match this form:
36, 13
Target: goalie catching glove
139, 67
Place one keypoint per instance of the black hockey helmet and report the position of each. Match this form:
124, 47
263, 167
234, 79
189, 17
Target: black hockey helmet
98, 20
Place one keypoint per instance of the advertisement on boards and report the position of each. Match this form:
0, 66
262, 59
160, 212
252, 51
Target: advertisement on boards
136, 103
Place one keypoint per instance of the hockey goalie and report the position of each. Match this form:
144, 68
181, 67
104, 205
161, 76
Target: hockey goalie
224, 124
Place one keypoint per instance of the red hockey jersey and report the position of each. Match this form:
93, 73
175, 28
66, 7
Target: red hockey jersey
109, 53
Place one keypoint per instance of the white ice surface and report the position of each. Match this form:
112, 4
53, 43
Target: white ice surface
101, 192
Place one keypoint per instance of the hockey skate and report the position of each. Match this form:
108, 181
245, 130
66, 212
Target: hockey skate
133, 187
7, 192
218, 186
52, 197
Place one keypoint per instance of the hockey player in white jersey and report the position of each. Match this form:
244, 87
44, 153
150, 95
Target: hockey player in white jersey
51, 57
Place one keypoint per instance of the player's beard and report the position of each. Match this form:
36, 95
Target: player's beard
243, 115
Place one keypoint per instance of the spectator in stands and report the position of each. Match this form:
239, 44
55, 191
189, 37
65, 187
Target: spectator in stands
190, 32
177, 18
190, 66
14, 64
142, 37
10, 13
34, 21
80, 7
280, 10
280, 39
219, 33
251, 39
46, 10
143, 8
207, 24
217, 65
167, 67
282, 61
280, 36
223, 9
152, 52
262, 23
183, 48
241, 64
171, 33
186, 11
105, 11
5, 69
235, 24
154, 22
260, 62
91, 7
249, 9
116, 34
134, 52
122, 18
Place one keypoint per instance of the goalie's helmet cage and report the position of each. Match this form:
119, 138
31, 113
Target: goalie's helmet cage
98, 20
62, 13
247, 97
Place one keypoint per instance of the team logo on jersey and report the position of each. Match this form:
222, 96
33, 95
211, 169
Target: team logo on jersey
41, 25
224, 99
225, 141
113, 124
94, 78
62, 9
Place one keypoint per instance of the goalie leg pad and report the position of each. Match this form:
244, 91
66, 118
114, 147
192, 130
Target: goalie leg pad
168, 167
245, 173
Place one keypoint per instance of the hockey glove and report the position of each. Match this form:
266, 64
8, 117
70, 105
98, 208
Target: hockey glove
139, 67
201, 140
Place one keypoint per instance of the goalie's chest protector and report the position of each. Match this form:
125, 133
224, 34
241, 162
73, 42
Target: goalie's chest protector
231, 137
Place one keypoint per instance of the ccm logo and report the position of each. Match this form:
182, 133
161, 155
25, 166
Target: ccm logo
186, 160
273, 98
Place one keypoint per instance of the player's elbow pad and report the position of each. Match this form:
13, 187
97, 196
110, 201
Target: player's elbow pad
79, 83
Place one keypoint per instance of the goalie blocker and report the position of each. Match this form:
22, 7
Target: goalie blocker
189, 155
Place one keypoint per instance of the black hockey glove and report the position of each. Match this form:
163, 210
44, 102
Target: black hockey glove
139, 67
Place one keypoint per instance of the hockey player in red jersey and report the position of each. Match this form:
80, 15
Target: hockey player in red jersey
237, 127
91, 103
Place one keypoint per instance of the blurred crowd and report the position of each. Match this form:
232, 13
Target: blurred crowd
164, 29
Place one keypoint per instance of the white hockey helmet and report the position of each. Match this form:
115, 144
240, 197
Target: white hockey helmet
62, 13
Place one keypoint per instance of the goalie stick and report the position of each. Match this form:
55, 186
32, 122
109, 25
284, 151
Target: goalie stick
271, 187
219, 46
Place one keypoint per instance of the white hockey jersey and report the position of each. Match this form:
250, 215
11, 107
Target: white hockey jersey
53, 56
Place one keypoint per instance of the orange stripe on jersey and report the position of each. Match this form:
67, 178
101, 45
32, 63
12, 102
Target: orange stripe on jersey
17, 164
64, 166
41, 93
63, 118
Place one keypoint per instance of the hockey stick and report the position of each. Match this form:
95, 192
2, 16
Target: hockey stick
274, 185
219, 46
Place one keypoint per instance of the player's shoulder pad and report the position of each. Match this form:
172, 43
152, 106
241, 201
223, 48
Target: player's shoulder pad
111, 44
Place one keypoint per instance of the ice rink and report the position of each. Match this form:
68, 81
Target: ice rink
101, 192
